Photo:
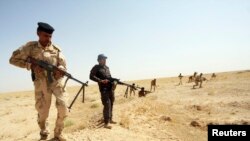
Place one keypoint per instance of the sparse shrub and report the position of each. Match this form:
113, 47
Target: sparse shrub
82, 126
6, 98
92, 100
95, 105
125, 121
68, 123
165, 118
195, 124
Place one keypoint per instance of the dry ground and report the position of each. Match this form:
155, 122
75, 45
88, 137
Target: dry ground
172, 113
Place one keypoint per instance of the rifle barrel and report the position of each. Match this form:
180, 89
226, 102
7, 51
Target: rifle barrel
85, 84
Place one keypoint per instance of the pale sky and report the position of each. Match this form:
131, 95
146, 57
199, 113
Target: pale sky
142, 38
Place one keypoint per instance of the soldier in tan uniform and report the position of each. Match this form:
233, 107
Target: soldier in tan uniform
199, 80
143, 92
180, 77
213, 76
153, 84
192, 78
45, 50
132, 89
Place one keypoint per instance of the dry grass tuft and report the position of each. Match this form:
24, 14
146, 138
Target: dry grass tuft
95, 105
68, 123
165, 118
125, 121
195, 124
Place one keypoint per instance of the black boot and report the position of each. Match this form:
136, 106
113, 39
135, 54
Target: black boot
112, 122
107, 126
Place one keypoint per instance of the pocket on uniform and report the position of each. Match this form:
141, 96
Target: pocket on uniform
37, 84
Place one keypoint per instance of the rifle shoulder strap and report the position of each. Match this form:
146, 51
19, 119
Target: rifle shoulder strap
32, 44
58, 53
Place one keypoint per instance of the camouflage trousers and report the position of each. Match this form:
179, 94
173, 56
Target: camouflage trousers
108, 98
43, 95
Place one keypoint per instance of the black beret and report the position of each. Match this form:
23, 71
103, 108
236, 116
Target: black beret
101, 56
45, 27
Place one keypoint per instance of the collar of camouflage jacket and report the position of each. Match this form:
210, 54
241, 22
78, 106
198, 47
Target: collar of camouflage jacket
48, 47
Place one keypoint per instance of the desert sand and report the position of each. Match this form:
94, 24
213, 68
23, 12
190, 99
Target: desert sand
171, 113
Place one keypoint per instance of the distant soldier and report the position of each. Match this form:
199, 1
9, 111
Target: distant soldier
153, 84
180, 77
132, 89
192, 78
213, 76
126, 92
142, 92
199, 80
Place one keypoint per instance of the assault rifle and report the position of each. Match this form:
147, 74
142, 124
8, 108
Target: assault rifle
51, 68
115, 81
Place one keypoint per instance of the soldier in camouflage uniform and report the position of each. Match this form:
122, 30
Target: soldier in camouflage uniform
199, 80
213, 76
153, 84
143, 92
45, 50
192, 78
132, 89
180, 77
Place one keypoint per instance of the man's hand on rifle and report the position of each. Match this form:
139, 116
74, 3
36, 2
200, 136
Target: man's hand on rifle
105, 81
58, 74
37, 69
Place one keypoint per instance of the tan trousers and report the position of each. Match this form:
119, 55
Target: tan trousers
43, 94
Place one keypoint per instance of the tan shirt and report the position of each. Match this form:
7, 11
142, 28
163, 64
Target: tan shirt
51, 54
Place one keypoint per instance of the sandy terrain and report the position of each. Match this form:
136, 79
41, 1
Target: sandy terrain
172, 113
